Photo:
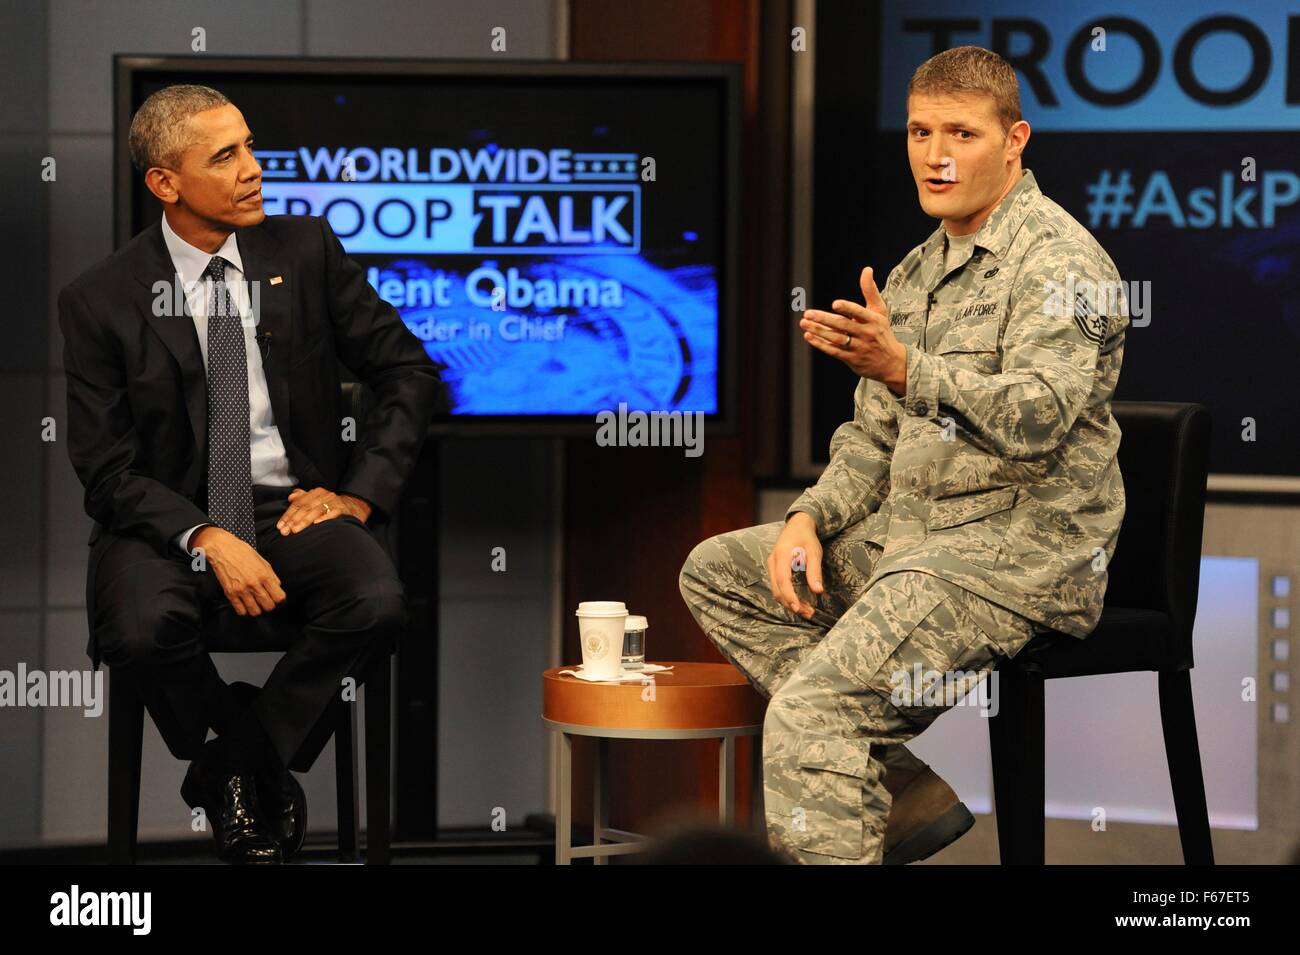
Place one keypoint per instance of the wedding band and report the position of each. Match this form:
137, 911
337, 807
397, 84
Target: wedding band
847, 339
326, 506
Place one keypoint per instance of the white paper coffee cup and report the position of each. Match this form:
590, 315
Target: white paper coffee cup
600, 632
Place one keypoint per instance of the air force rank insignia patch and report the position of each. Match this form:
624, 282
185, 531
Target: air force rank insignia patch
1091, 325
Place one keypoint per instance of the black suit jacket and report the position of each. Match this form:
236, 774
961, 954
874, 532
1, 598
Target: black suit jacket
137, 387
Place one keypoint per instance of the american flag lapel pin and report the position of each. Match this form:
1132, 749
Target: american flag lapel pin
276, 280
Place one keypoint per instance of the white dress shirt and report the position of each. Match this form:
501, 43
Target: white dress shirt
270, 462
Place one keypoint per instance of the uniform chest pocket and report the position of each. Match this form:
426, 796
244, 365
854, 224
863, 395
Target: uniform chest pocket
974, 328
971, 339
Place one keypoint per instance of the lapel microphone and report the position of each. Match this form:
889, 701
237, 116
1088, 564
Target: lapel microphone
263, 343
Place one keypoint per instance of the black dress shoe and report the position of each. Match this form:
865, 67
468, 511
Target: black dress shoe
230, 800
281, 796
285, 806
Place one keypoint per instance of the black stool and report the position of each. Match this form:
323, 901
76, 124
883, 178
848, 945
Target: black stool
1146, 624
126, 735
126, 727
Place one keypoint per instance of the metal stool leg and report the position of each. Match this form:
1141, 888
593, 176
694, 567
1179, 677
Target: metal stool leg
564, 799
727, 780
378, 692
345, 781
600, 797
125, 739
758, 817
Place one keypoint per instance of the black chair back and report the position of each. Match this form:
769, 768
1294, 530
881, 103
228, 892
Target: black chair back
1164, 458
1146, 624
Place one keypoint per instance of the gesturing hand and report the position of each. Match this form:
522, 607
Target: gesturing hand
318, 504
860, 336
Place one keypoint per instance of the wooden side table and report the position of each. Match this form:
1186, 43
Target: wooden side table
691, 701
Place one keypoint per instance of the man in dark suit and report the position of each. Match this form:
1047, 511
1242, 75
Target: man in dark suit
206, 422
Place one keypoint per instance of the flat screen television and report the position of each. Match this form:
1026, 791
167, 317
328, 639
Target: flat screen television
562, 236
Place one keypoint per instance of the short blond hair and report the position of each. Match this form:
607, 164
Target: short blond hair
971, 69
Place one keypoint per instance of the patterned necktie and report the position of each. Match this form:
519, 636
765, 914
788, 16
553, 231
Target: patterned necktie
230, 470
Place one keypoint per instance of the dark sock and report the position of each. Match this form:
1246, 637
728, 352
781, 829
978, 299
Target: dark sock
238, 698
245, 747
216, 698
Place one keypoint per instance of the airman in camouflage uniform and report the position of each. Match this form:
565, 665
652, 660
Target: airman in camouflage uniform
958, 520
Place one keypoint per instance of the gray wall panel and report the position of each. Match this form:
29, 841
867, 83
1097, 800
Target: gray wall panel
435, 28
85, 35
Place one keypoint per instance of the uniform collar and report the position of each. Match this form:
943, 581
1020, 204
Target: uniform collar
1001, 226
994, 235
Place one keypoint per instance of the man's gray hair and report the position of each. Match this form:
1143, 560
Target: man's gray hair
160, 131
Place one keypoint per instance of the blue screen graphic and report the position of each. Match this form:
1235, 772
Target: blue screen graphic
556, 245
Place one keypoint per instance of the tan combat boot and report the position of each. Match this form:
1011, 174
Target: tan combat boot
926, 815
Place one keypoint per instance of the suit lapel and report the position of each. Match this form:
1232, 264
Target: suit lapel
263, 260
161, 301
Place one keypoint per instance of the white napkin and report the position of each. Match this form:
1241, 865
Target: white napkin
627, 676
